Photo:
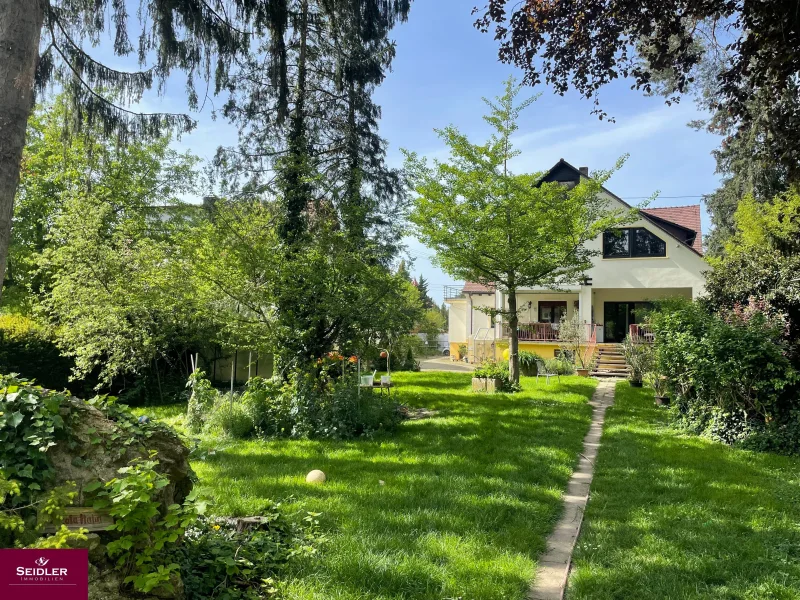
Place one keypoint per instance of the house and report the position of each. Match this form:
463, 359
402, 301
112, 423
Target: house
659, 255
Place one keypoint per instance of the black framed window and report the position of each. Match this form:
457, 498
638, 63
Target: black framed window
632, 242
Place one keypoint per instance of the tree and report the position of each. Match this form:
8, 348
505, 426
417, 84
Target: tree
110, 277
422, 286
588, 44
41, 43
490, 225
299, 306
309, 147
761, 261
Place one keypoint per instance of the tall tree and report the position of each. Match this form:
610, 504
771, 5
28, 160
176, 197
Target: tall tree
42, 41
587, 44
491, 225
309, 144
422, 286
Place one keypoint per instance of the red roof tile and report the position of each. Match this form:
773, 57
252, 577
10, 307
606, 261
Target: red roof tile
476, 288
685, 216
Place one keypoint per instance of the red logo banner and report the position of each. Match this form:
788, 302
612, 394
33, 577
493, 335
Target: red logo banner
44, 574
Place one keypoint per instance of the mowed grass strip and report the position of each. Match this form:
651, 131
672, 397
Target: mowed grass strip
673, 516
468, 499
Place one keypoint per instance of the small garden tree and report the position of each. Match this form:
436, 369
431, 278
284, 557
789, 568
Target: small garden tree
491, 225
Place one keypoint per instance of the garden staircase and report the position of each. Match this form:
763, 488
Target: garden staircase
609, 361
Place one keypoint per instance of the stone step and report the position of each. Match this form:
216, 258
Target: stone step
608, 374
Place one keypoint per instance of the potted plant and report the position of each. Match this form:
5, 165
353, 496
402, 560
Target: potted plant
572, 337
639, 358
490, 377
660, 385
527, 363
462, 352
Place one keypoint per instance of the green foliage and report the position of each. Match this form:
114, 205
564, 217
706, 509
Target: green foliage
560, 366
572, 339
492, 369
144, 533
102, 237
217, 561
527, 362
729, 372
30, 424
29, 348
301, 304
639, 357
200, 402
311, 404
761, 261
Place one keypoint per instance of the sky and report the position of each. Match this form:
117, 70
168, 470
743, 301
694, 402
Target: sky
443, 69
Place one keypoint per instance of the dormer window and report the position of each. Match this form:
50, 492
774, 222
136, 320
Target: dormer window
632, 242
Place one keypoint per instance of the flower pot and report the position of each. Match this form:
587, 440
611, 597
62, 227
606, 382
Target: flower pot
494, 385
478, 384
636, 384
582, 372
662, 400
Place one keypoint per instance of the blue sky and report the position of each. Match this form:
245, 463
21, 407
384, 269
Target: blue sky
442, 70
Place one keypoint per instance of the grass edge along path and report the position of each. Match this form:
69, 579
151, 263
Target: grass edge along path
675, 516
456, 506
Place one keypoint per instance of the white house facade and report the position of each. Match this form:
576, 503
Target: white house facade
657, 256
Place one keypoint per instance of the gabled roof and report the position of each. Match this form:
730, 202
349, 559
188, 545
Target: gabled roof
470, 287
679, 222
686, 217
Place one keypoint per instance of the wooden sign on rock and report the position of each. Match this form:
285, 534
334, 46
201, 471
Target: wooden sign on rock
86, 517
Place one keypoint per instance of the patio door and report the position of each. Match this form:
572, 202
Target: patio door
619, 316
552, 311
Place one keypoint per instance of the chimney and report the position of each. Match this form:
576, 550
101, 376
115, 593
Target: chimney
584, 171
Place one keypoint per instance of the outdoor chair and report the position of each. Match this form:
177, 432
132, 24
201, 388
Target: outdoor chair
546, 372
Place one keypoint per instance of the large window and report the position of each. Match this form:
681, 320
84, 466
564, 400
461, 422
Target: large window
632, 242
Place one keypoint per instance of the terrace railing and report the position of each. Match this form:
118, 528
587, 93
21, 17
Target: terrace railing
534, 332
545, 332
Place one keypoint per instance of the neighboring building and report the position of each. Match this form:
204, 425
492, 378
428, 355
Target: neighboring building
660, 255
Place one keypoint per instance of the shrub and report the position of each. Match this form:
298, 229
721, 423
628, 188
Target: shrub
527, 362
310, 404
217, 561
729, 373
230, 416
638, 357
28, 348
560, 365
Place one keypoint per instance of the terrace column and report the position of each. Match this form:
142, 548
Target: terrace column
585, 304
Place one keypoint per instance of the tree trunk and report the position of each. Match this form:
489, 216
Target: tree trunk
20, 30
513, 322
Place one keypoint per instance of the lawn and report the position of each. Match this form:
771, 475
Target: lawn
454, 506
673, 516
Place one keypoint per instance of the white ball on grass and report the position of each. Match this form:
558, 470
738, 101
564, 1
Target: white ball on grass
315, 476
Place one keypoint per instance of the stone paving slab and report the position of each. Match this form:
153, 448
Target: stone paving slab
551, 576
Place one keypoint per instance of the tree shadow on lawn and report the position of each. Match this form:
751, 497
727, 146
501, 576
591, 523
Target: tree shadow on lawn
467, 501
675, 516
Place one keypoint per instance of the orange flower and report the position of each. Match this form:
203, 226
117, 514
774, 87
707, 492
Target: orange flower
353, 359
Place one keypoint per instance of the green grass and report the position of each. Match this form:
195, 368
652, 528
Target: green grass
468, 501
673, 516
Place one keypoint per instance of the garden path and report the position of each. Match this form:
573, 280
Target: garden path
551, 576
